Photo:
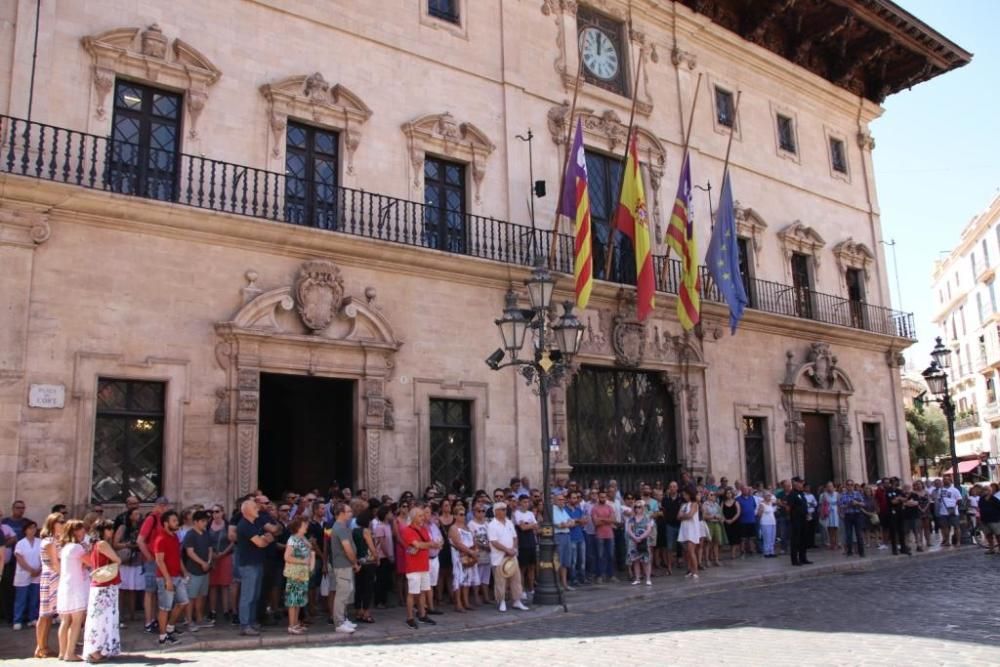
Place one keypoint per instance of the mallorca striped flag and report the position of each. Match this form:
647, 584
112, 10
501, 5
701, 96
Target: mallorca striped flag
575, 205
680, 238
633, 221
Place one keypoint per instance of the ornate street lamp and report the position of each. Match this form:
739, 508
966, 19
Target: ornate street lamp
548, 364
937, 383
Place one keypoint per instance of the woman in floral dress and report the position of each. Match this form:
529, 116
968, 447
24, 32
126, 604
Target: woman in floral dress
638, 528
49, 581
298, 567
100, 637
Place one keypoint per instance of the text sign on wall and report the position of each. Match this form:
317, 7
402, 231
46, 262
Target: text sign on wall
47, 396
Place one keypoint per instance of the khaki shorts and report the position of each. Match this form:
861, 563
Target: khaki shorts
418, 582
992, 528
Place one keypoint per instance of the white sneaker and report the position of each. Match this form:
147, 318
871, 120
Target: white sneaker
520, 605
648, 582
524, 595
502, 606
344, 628
635, 582
18, 626
350, 624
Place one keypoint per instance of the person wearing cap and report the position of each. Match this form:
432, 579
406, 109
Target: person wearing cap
149, 531
798, 520
503, 557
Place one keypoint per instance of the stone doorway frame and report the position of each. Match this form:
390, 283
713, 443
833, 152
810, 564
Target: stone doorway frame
817, 386
289, 330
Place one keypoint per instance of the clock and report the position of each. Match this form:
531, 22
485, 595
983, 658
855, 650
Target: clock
600, 56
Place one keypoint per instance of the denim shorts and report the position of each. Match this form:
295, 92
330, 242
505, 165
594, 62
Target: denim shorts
165, 599
197, 586
149, 576
564, 550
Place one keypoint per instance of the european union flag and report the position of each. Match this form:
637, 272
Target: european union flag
723, 256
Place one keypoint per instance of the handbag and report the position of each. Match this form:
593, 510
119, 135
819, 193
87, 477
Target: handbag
105, 573
297, 571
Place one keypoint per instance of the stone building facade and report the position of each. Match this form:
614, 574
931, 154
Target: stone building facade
964, 293
263, 242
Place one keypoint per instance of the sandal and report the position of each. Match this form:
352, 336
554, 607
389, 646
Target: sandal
295, 630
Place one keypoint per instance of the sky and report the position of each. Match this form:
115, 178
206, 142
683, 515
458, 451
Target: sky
937, 157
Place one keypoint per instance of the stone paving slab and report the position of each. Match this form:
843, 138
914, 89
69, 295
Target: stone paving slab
739, 574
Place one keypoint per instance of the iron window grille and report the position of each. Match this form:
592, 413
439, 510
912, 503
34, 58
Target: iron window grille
128, 440
725, 111
838, 156
786, 134
451, 441
444, 200
753, 448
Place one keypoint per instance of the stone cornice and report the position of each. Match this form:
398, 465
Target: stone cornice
73, 205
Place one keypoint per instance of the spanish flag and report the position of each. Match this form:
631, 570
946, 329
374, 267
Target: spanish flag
575, 205
633, 221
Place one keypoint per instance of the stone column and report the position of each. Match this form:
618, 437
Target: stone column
247, 423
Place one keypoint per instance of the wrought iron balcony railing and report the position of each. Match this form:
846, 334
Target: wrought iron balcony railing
67, 156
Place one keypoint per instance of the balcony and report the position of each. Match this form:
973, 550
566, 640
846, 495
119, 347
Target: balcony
991, 412
967, 421
50, 153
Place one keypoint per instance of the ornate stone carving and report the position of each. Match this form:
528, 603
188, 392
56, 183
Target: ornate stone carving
597, 334
443, 135
310, 97
319, 291
751, 226
680, 57
628, 339
851, 254
373, 454
389, 415
126, 52
824, 366
24, 227
662, 344
223, 414
251, 291
798, 237
246, 441
693, 441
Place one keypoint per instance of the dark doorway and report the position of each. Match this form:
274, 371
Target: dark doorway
306, 433
621, 426
753, 445
872, 432
818, 451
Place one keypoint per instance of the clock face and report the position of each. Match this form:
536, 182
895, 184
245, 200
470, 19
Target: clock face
599, 53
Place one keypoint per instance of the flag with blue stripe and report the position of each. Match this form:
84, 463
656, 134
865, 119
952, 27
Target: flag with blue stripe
723, 256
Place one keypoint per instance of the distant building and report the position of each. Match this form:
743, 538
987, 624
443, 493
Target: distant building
964, 291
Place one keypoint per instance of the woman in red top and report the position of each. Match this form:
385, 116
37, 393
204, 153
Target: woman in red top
101, 638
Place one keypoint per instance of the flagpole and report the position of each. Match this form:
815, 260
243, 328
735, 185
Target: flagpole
687, 144
609, 253
569, 146
732, 131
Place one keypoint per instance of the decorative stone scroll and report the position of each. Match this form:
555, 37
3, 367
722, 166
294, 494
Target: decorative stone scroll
443, 135
750, 226
311, 98
145, 56
851, 254
798, 237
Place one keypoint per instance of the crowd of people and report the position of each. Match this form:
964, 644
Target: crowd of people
310, 557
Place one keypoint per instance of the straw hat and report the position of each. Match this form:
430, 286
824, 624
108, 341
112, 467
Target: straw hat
508, 568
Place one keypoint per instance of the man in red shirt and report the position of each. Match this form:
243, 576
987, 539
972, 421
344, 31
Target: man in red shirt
416, 544
603, 516
171, 577
147, 533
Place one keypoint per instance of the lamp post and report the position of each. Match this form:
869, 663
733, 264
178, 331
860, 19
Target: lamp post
936, 376
556, 342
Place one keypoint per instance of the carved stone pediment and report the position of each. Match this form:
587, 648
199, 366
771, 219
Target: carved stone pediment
851, 254
319, 291
442, 134
628, 340
798, 237
311, 98
819, 371
143, 55
750, 225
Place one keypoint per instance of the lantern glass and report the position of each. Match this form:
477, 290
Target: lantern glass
941, 354
569, 332
936, 380
540, 287
513, 325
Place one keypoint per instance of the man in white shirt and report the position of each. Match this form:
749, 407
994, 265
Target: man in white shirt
949, 499
503, 557
527, 543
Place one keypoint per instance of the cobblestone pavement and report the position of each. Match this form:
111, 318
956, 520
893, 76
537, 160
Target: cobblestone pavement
935, 612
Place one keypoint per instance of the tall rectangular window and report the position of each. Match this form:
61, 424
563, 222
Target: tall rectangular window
311, 176
446, 10
754, 429
991, 390
144, 151
993, 297
725, 112
856, 296
451, 442
872, 434
979, 308
746, 271
986, 255
838, 155
786, 133
802, 284
972, 261
444, 205
128, 440
604, 176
